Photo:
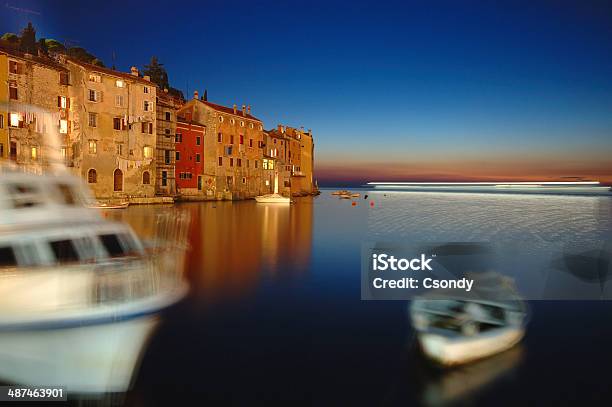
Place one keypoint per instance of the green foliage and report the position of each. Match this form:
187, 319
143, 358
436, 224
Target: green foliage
27, 42
176, 92
97, 62
10, 37
55, 46
81, 54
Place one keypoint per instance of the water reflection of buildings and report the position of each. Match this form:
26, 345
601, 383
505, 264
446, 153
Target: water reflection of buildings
234, 245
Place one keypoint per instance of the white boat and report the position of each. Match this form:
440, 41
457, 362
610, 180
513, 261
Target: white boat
275, 197
79, 295
105, 205
457, 329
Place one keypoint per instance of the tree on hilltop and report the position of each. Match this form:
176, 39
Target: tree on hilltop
157, 73
27, 42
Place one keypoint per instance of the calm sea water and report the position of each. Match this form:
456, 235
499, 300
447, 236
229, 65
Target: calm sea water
274, 312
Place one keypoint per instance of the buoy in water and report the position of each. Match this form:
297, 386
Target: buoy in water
354, 203
372, 204
366, 196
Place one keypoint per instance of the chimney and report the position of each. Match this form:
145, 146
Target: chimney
243, 110
147, 78
234, 108
281, 128
249, 109
195, 94
134, 71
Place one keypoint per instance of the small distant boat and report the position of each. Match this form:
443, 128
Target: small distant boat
101, 205
454, 330
341, 192
275, 198
356, 195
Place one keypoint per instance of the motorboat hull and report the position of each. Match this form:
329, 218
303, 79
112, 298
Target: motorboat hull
457, 350
273, 198
99, 358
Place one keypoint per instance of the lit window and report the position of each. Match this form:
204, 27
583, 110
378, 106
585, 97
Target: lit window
63, 152
63, 102
148, 152
15, 119
34, 153
63, 126
119, 83
95, 78
94, 95
93, 147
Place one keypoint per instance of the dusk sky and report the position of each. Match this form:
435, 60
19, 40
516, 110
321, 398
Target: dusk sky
392, 91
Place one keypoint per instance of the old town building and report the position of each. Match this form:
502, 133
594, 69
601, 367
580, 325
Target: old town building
296, 153
190, 158
4, 137
274, 162
166, 107
233, 149
113, 131
35, 113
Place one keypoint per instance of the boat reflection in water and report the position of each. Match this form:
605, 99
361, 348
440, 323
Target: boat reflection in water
442, 387
79, 295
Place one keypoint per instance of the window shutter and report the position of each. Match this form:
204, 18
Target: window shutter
101, 96
59, 101
68, 103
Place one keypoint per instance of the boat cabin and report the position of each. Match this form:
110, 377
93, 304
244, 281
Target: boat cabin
90, 242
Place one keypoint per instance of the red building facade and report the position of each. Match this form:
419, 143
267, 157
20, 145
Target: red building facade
189, 163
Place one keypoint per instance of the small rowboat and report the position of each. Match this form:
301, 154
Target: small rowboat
120, 205
456, 329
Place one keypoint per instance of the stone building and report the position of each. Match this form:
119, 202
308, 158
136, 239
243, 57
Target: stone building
297, 156
166, 108
35, 113
233, 149
4, 137
274, 162
114, 131
190, 157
